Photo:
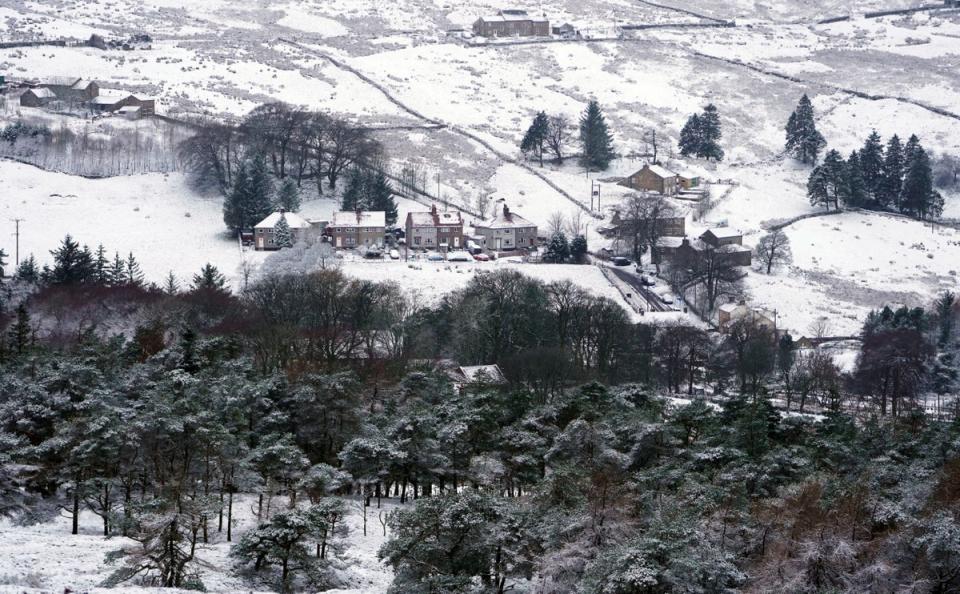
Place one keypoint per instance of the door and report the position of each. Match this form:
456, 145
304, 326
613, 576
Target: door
499, 243
456, 241
339, 241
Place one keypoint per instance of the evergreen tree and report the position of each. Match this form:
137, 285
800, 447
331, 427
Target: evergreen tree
559, 249
803, 140
536, 136
288, 196
209, 278
171, 286
379, 195
596, 139
578, 248
28, 271
854, 189
910, 150
3, 264
710, 134
261, 190
281, 233
871, 165
71, 263
249, 200
235, 202
918, 198
827, 181
691, 137
134, 276
117, 272
20, 331
352, 198
890, 181
101, 266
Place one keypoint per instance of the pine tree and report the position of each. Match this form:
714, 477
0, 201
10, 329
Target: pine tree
288, 196
28, 271
234, 204
171, 285
282, 236
249, 200
101, 266
536, 136
20, 331
261, 190
596, 139
909, 151
891, 177
353, 193
209, 279
134, 276
803, 140
71, 263
710, 134
578, 248
691, 137
117, 272
871, 166
918, 198
3, 264
826, 184
854, 189
379, 195
559, 249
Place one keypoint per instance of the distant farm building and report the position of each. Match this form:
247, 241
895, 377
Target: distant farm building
434, 229
731, 313
507, 231
653, 178
511, 23
37, 97
71, 89
688, 181
117, 101
566, 31
687, 252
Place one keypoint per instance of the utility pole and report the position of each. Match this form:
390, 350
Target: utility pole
17, 235
594, 192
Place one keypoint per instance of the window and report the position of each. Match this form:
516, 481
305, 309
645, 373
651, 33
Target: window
416, 240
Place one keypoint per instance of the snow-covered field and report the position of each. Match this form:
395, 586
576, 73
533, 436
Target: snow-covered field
47, 558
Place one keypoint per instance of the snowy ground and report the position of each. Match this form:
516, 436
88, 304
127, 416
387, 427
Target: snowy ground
47, 558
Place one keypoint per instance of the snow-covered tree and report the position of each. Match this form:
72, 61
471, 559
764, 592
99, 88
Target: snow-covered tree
558, 250
209, 278
535, 139
804, 142
595, 138
282, 236
773, 249
288, 196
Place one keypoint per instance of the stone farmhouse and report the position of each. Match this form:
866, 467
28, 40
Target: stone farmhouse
349, 229
434, 230
730, 313
264, 232
653, 178
685, 251
511, 23
507, 231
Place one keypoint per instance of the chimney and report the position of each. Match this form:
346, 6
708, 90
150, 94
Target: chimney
282, 210
506, 212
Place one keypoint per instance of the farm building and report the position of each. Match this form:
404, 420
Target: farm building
116, 101
507, 231
72, 89
434, 229
731, 313
349, 229
686, 252
37, 97
688, 181
265, 232
511, 23
653, 178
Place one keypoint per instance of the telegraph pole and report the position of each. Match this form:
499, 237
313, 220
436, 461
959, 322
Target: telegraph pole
17, 235
594, 192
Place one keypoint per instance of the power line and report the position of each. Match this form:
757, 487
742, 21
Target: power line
16, 234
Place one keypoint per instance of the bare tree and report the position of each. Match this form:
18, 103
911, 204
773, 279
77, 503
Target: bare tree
558, 135
715, 272
773, 249
556, 223
643, 221
821, 327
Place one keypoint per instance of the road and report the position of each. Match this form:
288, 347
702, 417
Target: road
653, 301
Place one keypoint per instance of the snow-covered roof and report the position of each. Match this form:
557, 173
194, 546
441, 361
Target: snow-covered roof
434, 218
732, 248
81, 85
492, 372
670, 242
661, 171
504, 219
364, 218
294, 220
42, 93
723, 232
512, 15
60, 81
111, 97
730, 307
687, 174
128, 109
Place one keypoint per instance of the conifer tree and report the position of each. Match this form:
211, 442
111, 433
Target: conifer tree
379, 195
282, 236
854, 190
918, 198
710, 134
117, 271
595, 138
890, 181
803, 140
101, 266
171, 286
536, 137
353, 192
71, 263
3, 264
578, 248
28, 271
134, 276
827, 181
559, 249
288, 196
20, 331
690, 137
261, 190
209, 278
234, 204
871, 165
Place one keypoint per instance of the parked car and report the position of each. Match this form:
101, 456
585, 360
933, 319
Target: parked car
373, 252
648, 281
460, 256
481, 257
667, 298
394, 255
435, 257
620, 261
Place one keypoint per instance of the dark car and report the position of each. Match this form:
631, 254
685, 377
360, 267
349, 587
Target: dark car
620, 261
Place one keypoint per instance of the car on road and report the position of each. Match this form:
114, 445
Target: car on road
647, 280
435, 257
481, 257
667, 298
620, 261
394, 255
460, 256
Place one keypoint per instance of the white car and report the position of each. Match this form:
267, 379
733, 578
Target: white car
667, 298
394, 255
